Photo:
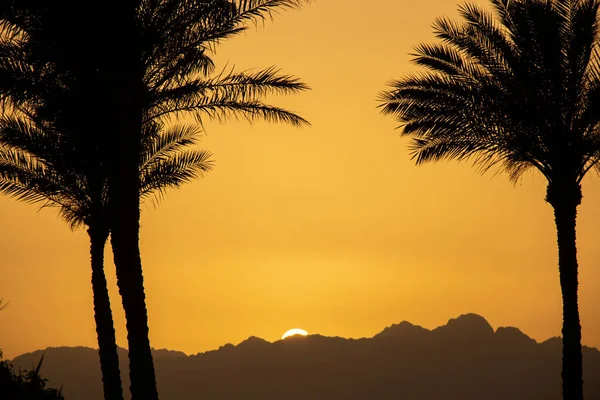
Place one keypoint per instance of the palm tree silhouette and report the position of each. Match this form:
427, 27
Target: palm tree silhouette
153, 64
39, 165
518, 88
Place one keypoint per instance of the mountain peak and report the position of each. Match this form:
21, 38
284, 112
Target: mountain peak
466, 326
166, 353
472, 321
253, 342
513, 336
403, 330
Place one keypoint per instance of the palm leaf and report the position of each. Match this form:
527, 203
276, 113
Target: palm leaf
173, 172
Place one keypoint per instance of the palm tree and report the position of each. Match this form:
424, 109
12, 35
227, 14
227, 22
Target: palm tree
39, 165
519, 88
151, 65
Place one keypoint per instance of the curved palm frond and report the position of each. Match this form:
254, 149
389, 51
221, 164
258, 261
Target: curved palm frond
164, 145
18, 133
238, 85
164, 174
221, 109
253, 10
15, 74
30, 180
230, 94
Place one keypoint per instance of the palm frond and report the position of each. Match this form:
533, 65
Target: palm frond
24, 177
23, 135
223, 109
244, 85
230, 94
171, 173
168, 143
260, 10
440, 58
27, 175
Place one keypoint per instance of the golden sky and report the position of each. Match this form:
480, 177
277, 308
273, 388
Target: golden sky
331, 228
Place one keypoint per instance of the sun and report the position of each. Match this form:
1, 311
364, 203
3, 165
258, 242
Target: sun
293, 332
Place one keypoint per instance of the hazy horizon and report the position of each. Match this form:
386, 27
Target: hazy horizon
276, 339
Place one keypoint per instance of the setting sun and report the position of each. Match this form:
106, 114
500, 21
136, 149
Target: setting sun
294, 332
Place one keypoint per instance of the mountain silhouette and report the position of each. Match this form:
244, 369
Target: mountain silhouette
464, 359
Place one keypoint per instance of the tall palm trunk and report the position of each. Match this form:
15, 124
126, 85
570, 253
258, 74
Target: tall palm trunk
107, 345
125, 244
125, 78
565, 199
125, 197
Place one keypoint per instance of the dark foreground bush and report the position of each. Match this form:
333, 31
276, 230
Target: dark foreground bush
25, 385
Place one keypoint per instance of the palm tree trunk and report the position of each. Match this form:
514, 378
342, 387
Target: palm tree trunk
125, 198
124, 194
565, 214
125, 244
107, 344
126, 80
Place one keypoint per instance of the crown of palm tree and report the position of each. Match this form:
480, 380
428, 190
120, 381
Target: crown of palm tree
177, 39
518, 86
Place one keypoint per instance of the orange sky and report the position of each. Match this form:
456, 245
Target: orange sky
329, 228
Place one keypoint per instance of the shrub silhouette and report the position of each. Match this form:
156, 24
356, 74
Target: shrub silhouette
25, 385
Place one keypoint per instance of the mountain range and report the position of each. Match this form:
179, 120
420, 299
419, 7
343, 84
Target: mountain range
464, 359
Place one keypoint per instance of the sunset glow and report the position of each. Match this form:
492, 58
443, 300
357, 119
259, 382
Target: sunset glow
294, 332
